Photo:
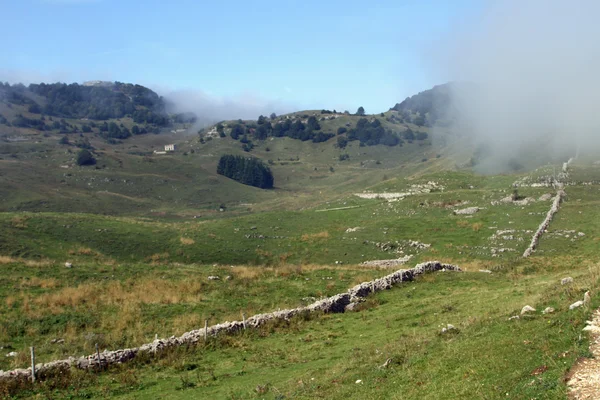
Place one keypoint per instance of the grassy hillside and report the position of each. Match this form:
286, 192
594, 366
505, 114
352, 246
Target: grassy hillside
39, 172
136, 277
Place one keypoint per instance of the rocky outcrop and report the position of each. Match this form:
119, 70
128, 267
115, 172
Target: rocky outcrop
334, 304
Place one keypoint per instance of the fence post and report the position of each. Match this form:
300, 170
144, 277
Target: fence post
32, 363
205, 330
98, 355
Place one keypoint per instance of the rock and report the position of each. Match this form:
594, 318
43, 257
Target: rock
592, 328
575, 305
467, 211
386, 363
486, 271
358, 381
527, 309
12, 354
57, 341
587, 299
68, 265
351, 307
566, 281
228, 278
213, 278
545, 197
448, 328
514, 317
524, 202
548, 310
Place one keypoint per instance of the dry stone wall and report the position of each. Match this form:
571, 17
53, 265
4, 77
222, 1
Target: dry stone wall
334, 304
560, 194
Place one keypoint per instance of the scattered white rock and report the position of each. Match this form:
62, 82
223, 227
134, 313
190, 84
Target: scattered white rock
213, 278
350, 230
12, 354
467, 211
587, 299
386, 363
358, 381
68, 265
448, 328
545, 197
513, 317
548, 310
566, 281
575, 305
527, 309
486, 271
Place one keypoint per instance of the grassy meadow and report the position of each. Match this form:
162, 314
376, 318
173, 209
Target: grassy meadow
144, 233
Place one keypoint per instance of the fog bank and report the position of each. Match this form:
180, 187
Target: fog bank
535, 66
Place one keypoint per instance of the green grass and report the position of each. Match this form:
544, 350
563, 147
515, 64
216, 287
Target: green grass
324, 356
141, 264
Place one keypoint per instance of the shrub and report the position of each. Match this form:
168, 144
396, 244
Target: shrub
84, 157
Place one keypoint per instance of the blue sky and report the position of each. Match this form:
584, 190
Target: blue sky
293, 54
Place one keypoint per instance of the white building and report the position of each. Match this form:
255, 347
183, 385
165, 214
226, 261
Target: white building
170, 147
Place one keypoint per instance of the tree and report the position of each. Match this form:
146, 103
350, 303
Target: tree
313, 124
341, 130
249, 171
84, 157
273, 116
360, 111
419, 120
64, 140
237, 131
34, 108
342, 142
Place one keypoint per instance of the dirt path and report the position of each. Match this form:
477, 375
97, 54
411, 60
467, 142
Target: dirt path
584, 380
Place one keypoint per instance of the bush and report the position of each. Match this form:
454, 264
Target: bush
84, 157
341, 130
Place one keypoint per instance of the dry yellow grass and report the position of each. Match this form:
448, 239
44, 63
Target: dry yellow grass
19, 222
186, 241
123, 294
462, 223
44, 283
158, 258
308, 237
84, 251
29, 263
476, 226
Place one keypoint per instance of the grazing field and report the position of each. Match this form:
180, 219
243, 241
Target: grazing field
133, 277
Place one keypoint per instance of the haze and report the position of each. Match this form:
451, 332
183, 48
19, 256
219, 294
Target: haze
535, 66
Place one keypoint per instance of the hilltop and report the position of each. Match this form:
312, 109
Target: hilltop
314, 155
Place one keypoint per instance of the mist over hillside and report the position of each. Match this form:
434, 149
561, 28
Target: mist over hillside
535, 65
